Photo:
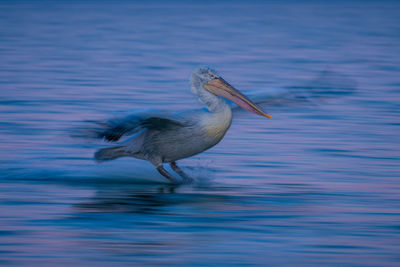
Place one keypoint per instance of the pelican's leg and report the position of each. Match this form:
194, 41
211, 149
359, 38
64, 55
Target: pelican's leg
166, 174
178, 170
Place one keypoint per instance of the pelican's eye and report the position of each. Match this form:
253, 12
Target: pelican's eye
213, 76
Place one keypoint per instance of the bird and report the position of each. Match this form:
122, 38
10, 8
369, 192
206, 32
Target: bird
164, 139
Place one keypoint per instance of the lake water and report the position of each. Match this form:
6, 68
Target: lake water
317, 184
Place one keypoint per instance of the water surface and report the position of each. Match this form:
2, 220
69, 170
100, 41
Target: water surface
317, 184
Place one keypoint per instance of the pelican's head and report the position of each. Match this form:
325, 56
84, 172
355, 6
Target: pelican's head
210, 80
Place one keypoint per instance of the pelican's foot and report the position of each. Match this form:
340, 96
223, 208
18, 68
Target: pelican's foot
186, 178
166, 174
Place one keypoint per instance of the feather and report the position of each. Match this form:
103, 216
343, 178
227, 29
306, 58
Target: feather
113, 129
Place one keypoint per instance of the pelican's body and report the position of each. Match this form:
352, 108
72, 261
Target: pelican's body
160, 138
198, 131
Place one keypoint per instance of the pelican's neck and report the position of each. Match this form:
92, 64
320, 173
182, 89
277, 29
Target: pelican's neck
212, 102
218, 121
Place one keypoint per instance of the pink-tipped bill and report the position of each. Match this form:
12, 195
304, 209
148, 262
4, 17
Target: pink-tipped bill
222, 88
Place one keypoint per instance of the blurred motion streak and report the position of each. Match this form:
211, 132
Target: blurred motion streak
316, 185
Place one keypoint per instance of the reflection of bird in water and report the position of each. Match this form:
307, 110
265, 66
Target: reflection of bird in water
145, 199
161, 138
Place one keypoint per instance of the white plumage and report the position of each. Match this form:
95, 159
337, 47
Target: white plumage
160, 138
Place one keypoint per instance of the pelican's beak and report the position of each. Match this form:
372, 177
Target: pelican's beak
222, 88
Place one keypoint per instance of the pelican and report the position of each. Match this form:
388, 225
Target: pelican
160, 138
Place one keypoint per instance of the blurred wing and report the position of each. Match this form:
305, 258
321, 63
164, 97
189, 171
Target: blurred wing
327, 84
266, 96
113, 129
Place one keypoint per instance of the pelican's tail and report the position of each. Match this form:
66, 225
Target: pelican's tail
110, 153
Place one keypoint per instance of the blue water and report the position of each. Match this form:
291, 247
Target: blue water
317, 185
